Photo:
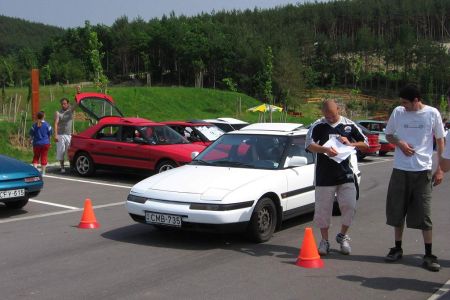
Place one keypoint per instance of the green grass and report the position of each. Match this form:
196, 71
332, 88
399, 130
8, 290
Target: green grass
155, 103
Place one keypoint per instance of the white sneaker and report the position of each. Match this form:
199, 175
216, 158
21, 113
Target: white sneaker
344, 241
324, 247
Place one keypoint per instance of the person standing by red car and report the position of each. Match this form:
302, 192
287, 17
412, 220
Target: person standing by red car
40, 134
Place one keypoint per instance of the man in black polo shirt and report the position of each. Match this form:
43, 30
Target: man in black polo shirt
333, 178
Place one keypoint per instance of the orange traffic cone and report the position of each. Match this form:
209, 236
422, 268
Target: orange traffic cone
88, 220
309, 256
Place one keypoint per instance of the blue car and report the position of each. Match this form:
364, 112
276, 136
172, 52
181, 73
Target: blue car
18, 182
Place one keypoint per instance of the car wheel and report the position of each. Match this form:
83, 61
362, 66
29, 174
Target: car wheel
382, 153
84, 165
165, 165
263, 221
17, 204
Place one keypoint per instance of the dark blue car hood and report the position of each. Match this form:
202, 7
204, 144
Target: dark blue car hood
11, 168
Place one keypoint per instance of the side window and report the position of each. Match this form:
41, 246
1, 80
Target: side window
297, 148
108, 133
127, 135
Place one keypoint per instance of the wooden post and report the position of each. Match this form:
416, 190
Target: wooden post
34, 92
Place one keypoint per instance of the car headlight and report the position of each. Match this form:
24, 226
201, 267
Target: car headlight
32, 179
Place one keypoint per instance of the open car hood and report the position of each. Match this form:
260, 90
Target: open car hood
97, 105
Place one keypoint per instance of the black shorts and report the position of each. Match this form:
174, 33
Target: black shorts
409, 195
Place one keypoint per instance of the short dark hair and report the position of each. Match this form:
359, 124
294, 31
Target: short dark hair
64, 99
40, 115
410, 92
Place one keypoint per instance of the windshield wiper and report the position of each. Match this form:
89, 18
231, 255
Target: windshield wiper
233, 163
201, 162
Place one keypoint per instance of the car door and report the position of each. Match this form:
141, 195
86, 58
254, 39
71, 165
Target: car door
133, 152
103, 146
300, 180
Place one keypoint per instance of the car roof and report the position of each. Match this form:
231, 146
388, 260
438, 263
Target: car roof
225, 121
273, 129
186, 123
129, 121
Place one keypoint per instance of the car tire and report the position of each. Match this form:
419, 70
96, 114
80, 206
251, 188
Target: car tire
263, 221
83, 164
382, 153
165, 165
17, 204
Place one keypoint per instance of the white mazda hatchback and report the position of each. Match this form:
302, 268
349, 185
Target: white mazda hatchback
250, 180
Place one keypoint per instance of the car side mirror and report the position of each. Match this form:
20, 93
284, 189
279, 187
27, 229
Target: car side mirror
194, 154
297, 161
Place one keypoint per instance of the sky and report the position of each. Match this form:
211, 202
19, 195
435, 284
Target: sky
73, 13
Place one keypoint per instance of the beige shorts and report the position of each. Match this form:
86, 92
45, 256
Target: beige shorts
325, 196
62, 145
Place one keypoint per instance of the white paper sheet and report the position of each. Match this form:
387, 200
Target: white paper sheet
343, 150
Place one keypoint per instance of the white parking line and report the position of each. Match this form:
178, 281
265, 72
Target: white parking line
89, 181
52, 204
58, 213
442, 291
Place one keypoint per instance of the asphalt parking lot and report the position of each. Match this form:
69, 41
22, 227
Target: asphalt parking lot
45, 256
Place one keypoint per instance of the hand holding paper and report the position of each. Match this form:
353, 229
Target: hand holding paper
343, 150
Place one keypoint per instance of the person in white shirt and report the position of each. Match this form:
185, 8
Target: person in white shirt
411, 127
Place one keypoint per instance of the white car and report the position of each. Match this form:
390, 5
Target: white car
251, 179
227, 124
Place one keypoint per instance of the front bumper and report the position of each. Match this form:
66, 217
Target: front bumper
189, 216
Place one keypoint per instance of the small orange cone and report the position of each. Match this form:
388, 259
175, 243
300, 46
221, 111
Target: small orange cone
88, 220
309, 256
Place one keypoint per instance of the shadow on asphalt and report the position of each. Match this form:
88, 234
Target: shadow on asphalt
6, 212
414, 260
393, 283
148, 235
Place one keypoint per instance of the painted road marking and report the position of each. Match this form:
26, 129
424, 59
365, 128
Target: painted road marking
52, 204
89, 181
443, 291
58, 213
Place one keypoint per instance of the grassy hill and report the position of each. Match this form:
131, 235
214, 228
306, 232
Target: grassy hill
156, 103
17, 34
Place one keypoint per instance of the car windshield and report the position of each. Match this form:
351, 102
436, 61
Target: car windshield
245, 151
210, 132
161, 135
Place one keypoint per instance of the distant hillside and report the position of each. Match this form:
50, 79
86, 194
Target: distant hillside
17, 34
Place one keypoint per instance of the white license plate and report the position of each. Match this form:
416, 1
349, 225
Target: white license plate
163, 219
12, 193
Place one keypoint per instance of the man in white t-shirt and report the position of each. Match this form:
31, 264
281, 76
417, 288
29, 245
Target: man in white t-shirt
411, 127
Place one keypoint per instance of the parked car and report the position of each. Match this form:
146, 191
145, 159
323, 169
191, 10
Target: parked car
378, 127
116, 141
198, 133
19, 182
226, 124
248, 180
372, 139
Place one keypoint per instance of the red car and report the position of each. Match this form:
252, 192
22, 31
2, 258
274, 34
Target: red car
378, 127
374, 144
125, 142
197, 133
